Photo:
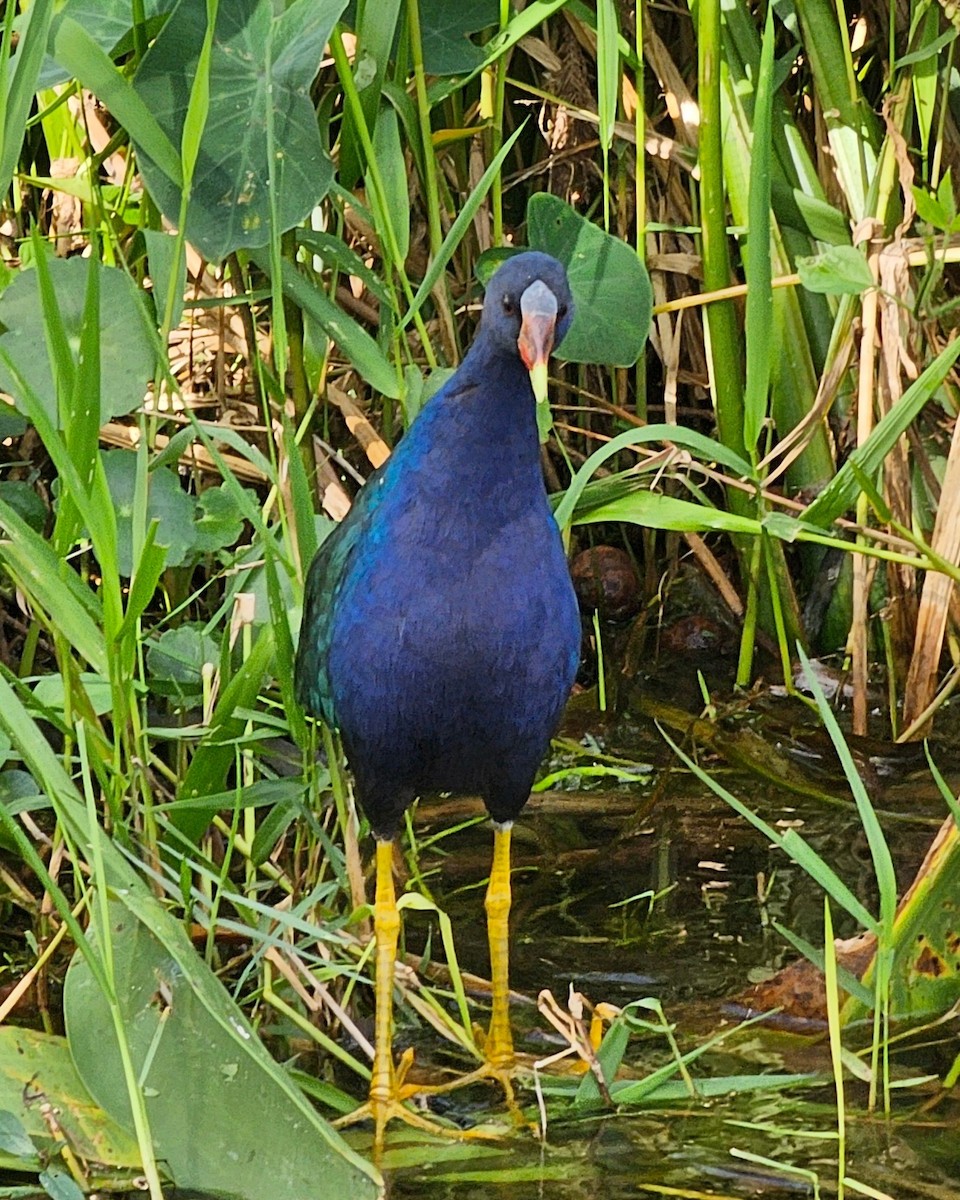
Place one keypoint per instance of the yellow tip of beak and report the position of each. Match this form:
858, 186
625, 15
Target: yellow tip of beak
538, 381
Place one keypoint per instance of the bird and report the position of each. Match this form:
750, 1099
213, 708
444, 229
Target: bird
440, 633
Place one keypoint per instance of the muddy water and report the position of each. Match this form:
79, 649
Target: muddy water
655, 888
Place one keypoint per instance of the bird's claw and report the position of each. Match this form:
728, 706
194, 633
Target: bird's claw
389, 1099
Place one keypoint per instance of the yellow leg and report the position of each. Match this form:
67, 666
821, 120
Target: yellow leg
386, 926
498, 1048
388, 1086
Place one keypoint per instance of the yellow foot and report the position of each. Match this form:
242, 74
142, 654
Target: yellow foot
499, 1072
391, 1103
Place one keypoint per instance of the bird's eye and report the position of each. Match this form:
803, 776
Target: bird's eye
562, 311
508, 306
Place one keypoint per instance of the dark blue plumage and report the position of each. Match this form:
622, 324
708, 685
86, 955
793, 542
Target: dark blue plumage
440, 632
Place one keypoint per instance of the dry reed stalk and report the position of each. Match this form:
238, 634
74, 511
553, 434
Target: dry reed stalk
936, 595
861, 590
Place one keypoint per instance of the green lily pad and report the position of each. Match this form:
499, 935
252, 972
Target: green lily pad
167, 503
126, 346
261, 71
610, 284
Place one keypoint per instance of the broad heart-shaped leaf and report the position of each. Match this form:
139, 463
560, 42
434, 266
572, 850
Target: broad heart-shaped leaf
219, 521
175, 662
219, 1121
167, 503
610, 284
258, 61
446, 27
126, 347
107, 21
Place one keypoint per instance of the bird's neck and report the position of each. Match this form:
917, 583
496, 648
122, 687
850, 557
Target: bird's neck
494, 413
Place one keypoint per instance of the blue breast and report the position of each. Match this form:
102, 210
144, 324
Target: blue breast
441, 633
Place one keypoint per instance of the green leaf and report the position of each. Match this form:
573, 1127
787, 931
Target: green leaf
59, 1185
759, 326
54, 587
610, 285
841, 270
261, 71
375, 29
25, 502
609, 1056
161, 257
841, 492
219, 521
25, 65
175, 662
608, 70
948, 200
333, 252
214, 757
929, 208
18, 794
657, 511
167, 503
127, 357
26, 1056
445, 30
13, 1137
80, 56
393, 173
50, 692
182, 1025
705, 448
810, 214
358, 346
109, 24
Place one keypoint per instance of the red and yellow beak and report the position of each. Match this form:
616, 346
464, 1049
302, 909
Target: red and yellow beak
538, 309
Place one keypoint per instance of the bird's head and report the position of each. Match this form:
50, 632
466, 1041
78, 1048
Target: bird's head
527, 310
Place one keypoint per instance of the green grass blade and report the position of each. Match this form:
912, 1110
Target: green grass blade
79, 55
759, 319
841, 492
359, 347
71, 607
608, 88
459, 228
790, 842
704, 447
877, 842
16, 93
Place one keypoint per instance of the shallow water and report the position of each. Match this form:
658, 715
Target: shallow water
579, 854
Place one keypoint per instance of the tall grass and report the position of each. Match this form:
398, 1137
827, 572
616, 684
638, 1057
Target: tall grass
328, 224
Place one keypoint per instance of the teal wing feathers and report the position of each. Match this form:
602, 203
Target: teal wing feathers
321, 591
